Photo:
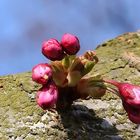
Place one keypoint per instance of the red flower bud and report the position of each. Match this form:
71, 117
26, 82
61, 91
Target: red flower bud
128, 92
133, 113
47, 96
52, 50
70, 44
41, 73
130, 95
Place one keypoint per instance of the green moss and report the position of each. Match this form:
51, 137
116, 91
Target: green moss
30, 138
17, 106
22, 131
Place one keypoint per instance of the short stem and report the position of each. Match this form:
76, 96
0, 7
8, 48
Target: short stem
114, 91
113, 82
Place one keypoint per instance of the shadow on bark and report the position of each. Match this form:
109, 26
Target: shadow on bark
81, 123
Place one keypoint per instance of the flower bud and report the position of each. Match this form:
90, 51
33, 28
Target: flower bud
130, 95
128, 92
47, 96
70, 44
52, 50
133, 113
135, 119
41, 73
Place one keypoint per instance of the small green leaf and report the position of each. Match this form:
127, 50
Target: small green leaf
66, 62
88, 67
76, 65
73, 78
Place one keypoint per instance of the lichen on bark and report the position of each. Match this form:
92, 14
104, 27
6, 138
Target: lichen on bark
21, 118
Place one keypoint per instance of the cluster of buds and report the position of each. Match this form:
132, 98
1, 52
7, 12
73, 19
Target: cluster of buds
69, 77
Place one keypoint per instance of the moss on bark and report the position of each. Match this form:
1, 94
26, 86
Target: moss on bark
21, 118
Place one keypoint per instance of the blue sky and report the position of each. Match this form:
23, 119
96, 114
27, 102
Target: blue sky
26, 24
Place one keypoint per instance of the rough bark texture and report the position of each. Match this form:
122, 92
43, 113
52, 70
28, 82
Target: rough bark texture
92, 119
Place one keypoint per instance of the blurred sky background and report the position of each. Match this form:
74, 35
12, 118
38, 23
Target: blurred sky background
24, 24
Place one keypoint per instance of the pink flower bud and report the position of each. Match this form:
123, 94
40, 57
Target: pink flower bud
52, 50
47, 96
70, 44
41, 73
128, 92
133, 113
134, 118
130, 95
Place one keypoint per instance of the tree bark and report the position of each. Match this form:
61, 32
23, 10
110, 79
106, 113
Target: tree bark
91, 119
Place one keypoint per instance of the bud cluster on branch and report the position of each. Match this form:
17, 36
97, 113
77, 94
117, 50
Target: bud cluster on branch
69, 77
